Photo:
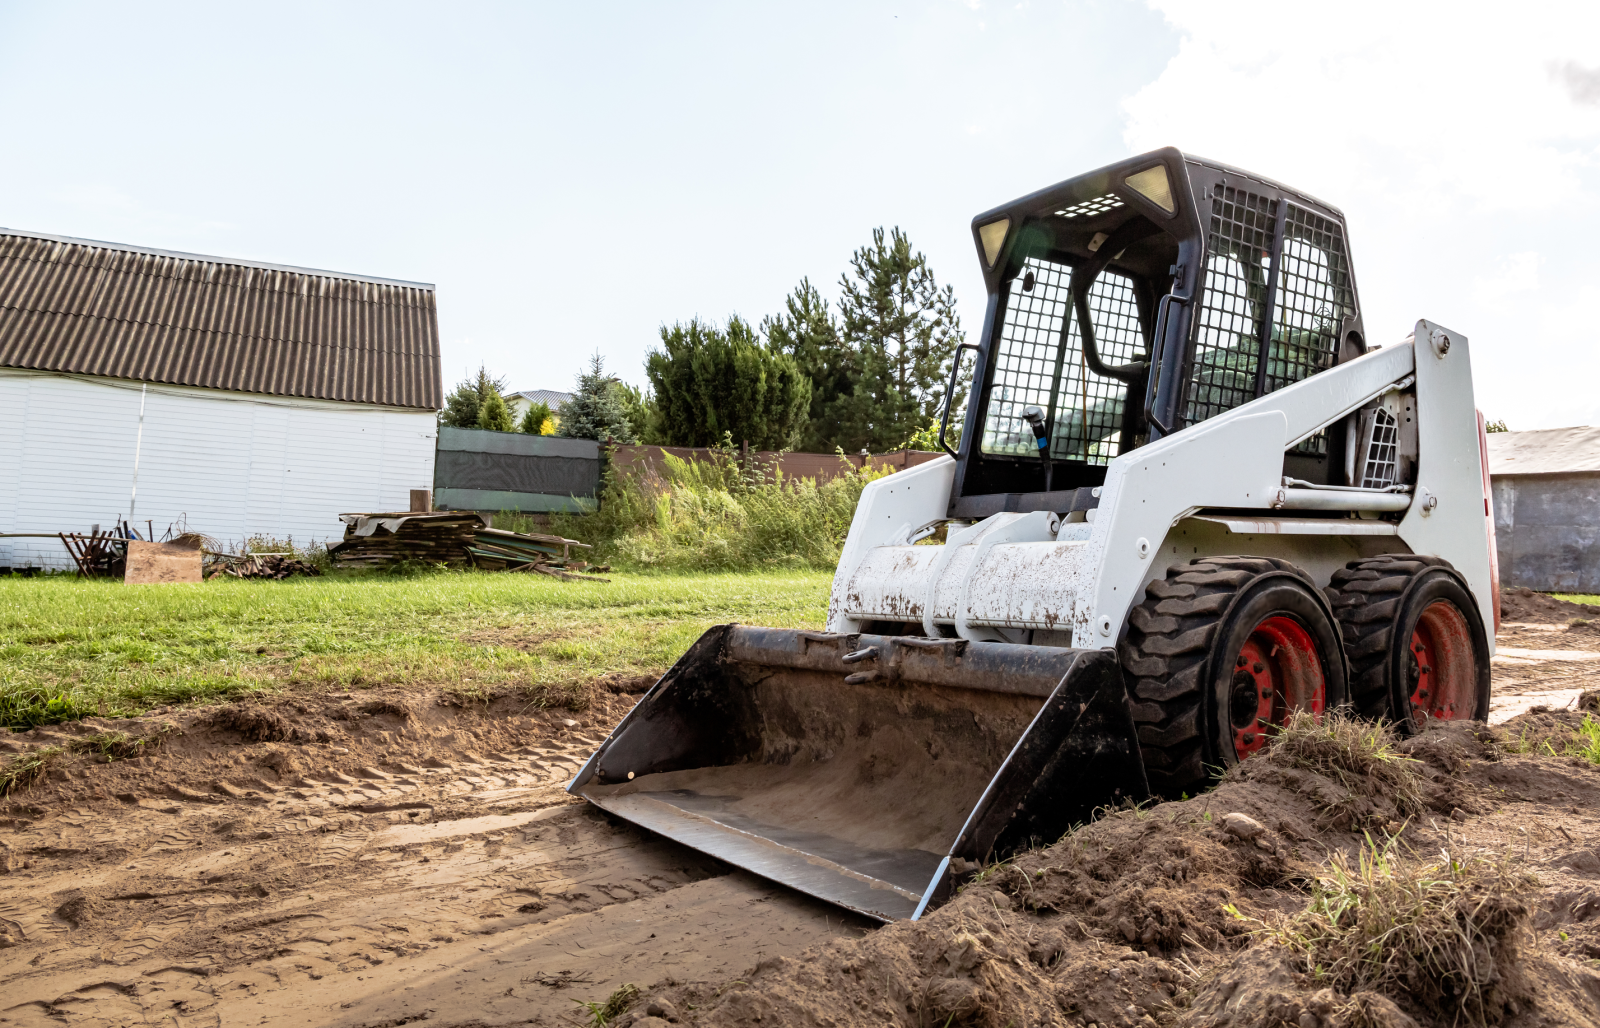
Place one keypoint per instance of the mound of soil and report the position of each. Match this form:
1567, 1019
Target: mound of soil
239, 747
1541, 608
1156, 916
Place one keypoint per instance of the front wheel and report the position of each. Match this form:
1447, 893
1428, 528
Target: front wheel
1220, 653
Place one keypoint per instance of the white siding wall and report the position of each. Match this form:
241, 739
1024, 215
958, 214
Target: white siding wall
232, 465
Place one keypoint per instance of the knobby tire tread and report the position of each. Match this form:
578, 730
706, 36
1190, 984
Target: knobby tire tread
1164, 655
1366, 595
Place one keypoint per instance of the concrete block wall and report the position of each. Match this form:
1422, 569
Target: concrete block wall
1547, 531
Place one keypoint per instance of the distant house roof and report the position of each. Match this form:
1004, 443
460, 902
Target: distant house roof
1549, 451
94, 308
546, 396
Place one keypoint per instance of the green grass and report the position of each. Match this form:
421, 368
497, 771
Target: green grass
1590, 598
71, 648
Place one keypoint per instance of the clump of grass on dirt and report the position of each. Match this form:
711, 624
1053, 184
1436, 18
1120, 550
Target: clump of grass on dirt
24, 770
113, 746
21, 772
72, 648
1351, 767
1559, 739
615, 1005
1444, 932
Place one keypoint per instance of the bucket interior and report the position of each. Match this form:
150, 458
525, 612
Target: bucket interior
870, 782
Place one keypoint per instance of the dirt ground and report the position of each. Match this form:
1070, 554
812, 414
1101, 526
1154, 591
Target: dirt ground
384, 858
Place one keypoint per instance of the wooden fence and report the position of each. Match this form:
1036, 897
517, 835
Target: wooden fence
820, 466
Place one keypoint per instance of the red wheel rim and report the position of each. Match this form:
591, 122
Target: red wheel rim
1440, 668
1276, 673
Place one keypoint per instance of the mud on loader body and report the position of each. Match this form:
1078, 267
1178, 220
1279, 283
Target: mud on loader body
1188, 501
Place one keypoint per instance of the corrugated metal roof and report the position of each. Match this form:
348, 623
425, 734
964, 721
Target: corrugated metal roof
93, 308
1549, 451
552, 397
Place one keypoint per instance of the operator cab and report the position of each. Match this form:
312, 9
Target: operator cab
1132, 301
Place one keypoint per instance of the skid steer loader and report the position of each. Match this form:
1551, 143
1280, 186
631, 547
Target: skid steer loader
1189, 499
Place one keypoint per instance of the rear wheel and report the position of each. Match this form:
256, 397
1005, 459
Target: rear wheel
1415, 639
1221, 652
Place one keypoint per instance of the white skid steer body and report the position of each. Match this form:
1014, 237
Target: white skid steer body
1188, 504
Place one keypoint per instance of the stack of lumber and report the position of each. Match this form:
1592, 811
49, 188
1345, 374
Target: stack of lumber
374, 540
453, 538
495, 549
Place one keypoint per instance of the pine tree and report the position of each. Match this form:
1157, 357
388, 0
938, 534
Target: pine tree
597, 410
640, 407
807, 332
494, 415
902, 331
463, 406
711, 384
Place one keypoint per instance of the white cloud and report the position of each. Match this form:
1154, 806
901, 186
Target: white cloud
1435, 110
1464, 150
1583, 84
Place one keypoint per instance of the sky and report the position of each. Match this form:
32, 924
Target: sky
574, 176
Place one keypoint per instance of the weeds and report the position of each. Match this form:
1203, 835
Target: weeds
1444, 932
602, 1014
21, 772
1586, 742
717, 514
1549, 740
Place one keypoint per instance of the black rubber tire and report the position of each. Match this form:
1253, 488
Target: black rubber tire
1378, 601
1178, 655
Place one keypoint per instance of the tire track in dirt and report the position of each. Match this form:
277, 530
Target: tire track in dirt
367, 894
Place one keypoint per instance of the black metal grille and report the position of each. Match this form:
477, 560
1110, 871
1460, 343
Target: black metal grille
1088, 416
1380, 469
1026, 354
1314, 297
1228, 322
1089, 208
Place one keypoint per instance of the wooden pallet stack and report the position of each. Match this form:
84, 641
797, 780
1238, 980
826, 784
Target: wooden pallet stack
375, 540
455, 539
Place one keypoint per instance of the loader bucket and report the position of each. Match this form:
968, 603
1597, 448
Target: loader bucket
869, 771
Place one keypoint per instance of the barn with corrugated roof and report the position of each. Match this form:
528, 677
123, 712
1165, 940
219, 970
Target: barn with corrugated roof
1547, 508
232, 397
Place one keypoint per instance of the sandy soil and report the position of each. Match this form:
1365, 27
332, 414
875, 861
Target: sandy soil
383, 858
377, 859
1547, 653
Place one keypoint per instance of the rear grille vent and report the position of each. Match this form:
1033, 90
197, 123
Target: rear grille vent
1382, 436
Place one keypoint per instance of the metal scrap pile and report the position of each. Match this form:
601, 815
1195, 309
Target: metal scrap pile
454, 539
259, 565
